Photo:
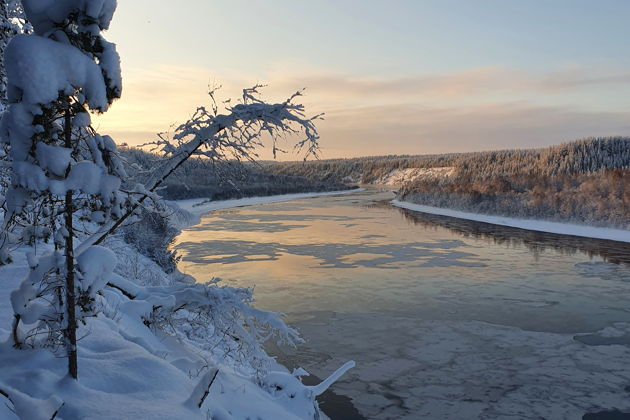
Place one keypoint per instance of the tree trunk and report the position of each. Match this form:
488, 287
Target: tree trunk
71, 329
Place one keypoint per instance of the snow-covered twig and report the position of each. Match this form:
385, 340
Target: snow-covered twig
219, 135
326, 383
202, 390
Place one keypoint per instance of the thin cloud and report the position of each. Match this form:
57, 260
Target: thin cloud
472, 110
473, 82
421, 129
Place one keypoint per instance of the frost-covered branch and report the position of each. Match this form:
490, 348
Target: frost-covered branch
183, 303
217, 319
326, 383
236, 135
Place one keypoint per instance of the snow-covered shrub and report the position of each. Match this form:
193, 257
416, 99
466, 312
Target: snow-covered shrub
219, 320
152, 234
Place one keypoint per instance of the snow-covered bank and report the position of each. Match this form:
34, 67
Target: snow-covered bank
135, 364
199, 206
528, 224
129, 370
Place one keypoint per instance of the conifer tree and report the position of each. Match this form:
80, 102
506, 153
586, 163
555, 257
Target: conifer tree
61, 169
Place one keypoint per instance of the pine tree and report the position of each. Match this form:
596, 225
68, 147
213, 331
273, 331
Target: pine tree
61, 169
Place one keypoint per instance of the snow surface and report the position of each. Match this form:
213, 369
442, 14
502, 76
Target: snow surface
528, 224
39, 68
127, 372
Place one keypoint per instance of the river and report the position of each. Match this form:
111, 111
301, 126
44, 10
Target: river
445, 318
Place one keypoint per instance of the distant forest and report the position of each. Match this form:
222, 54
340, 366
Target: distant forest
585, 181
581, 156
201, 178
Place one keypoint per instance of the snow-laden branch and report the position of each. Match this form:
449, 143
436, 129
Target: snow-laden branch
236, 134
202, 390
326, 383
250, 324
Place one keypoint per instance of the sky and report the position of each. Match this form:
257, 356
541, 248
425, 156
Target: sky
392, 77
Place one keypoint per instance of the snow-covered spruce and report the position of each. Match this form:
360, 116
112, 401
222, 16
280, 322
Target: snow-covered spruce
60, 166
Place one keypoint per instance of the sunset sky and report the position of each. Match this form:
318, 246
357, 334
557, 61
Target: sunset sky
393, 77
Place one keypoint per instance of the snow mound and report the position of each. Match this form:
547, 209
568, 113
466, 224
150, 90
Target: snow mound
39, 68
45, 14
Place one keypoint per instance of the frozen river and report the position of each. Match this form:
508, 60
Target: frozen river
446, 319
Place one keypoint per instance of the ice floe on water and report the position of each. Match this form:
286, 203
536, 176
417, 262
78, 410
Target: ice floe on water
604, 270
467, 369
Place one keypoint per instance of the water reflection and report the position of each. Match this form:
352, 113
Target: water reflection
246, 226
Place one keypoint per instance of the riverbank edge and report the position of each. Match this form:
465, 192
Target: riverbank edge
584, 231
136, 348
195, 208
200, 206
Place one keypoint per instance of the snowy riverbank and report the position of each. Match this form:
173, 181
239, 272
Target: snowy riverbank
131, 367
528, 224
200, 206
127, 370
